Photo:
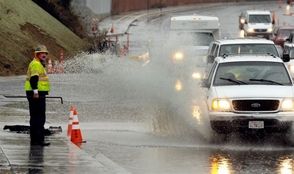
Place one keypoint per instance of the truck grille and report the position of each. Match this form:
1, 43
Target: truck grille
255, 105
260, 30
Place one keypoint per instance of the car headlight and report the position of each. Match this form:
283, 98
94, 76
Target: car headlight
270, 30
291, 67
221, 105
196, 75
287, 105
242, 21
250, 30
178, 56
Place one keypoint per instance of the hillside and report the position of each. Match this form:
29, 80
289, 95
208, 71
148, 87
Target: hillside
23, 24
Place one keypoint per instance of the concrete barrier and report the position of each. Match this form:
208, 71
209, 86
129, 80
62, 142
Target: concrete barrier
120, 6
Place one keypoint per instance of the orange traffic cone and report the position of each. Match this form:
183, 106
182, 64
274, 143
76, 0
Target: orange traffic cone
70, 119
76, 134
112, 29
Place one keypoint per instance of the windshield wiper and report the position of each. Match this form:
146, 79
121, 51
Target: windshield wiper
271, 54
264, 80
233, 80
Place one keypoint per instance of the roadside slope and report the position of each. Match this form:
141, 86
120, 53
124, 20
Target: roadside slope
23, 24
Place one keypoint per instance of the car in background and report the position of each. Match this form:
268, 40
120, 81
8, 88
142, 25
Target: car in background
280, 34
290, 39
257, 23
252, 92
240, 46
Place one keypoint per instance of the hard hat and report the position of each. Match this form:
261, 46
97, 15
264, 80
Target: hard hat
41, 49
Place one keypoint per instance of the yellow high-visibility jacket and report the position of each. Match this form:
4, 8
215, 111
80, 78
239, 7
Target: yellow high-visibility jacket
37, 69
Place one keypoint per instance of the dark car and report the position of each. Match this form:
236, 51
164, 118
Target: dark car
280, 34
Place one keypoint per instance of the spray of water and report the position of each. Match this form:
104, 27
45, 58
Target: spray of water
137, 89
88, 63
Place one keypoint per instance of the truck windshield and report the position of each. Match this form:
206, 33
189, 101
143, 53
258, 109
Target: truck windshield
285, 32
251, 73
192, 38
236, 49
259, 19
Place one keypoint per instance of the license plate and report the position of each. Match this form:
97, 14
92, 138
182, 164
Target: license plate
256, 124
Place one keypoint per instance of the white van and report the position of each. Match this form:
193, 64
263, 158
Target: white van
191, 35
257, 23
188, 42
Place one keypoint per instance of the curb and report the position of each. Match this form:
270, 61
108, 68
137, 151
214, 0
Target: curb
154, 13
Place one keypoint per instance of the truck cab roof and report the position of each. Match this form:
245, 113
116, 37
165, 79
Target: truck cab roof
244, 41
194, 22
261, 12
243, 58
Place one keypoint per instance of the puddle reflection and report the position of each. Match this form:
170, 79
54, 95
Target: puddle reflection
251, 162
285, 165
220, 165
178, 85
36, 160
196, 113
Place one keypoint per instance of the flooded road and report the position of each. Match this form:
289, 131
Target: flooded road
144, 119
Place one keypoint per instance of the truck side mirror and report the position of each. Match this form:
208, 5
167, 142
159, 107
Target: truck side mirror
286, 58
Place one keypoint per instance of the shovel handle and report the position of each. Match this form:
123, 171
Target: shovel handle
21, 96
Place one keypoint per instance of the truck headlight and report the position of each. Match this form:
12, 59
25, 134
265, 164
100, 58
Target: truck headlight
242, 21
270, 30
178, 56
250, 30
287, 105
221, 105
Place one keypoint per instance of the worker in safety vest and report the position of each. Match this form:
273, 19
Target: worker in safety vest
37, 87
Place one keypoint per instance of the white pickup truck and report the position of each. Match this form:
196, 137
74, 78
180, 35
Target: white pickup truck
250, 92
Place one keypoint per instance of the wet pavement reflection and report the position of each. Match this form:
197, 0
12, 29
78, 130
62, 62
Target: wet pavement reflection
226, 162
36, 159
128, 98
239, 153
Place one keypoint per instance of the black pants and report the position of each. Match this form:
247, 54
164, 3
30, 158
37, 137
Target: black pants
37, 117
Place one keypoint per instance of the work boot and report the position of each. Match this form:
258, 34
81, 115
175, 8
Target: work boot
44, 144
40, 143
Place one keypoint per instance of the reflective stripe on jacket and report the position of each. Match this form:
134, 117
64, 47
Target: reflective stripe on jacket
37, 69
